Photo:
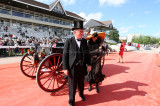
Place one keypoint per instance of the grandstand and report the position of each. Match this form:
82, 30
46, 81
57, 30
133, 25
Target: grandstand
26, 18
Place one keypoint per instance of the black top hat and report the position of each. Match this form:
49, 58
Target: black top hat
78, 25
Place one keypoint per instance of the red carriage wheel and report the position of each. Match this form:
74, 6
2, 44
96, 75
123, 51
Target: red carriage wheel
27, 67
50, 75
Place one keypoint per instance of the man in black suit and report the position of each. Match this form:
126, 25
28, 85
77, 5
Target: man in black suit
76, 60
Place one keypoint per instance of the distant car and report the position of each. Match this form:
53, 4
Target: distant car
113, 48
147, 48
129, 48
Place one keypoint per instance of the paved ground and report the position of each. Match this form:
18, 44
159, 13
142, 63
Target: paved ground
154, 51
136, 82
7, 60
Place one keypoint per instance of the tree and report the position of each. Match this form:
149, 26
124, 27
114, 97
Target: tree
154, 40
146, 40
140, 40
135, 39
114, 35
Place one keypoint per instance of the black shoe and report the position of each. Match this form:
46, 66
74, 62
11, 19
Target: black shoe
71, 104
89, 88
97, 88
83, 98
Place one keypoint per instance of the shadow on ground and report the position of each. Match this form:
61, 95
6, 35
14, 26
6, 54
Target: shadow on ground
114, 92
108, 70
112, 69
62, 91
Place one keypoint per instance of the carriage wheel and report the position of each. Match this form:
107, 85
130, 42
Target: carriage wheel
102, 59
50, 76
27, 67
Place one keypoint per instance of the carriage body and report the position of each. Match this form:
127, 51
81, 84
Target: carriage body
31, 60
48, 71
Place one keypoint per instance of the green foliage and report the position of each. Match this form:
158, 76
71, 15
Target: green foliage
154, 40
146, 40
114, 35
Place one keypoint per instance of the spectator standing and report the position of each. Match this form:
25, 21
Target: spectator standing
121, 51
16, 49
138, 46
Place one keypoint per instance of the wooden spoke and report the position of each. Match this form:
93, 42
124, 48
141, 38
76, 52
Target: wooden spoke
29, 58
45, 76
50, 83
47, 80
27, 61
59, 80
51, 65
26, 66
50, 76
55, 62
31, 70
53, 83
58, 62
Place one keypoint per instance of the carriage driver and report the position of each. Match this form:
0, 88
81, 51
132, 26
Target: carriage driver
76, 60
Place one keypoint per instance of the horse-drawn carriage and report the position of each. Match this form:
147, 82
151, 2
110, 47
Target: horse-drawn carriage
48, 71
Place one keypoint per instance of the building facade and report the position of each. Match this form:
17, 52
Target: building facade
123, 38
98, 26
37, 18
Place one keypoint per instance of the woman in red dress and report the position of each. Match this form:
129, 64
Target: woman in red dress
121, 51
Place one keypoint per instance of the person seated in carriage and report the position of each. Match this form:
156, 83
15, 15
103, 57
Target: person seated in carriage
95, 75
55, 42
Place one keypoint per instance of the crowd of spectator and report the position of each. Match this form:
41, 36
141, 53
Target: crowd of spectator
31, 41
5, 28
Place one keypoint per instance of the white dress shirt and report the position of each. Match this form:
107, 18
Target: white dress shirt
78, 42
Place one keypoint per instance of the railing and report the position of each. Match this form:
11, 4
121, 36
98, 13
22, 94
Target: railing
4, 11
10, 48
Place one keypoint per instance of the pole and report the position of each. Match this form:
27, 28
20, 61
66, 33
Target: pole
9, 51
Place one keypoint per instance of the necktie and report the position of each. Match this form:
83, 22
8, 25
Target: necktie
79, 39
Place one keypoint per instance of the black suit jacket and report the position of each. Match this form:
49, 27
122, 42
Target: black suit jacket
70, 53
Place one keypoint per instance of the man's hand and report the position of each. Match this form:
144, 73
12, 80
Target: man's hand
65, 72
89, 68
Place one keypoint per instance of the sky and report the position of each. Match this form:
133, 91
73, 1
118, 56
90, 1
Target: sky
128, 16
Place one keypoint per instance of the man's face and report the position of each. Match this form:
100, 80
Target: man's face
78, 33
